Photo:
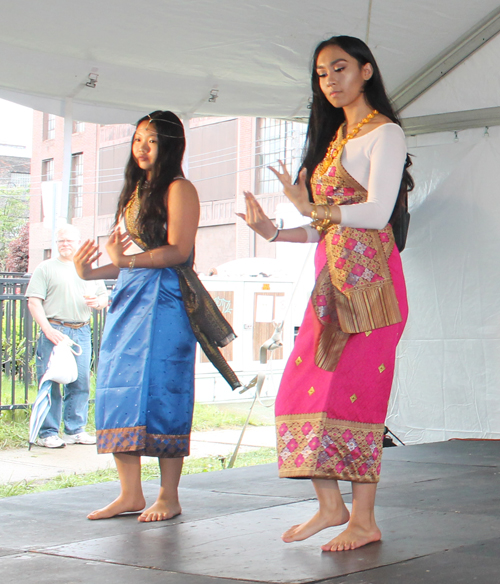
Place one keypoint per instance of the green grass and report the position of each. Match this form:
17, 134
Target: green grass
14, 429
211, 417
6, 393
14, 425
18, 391
149, 471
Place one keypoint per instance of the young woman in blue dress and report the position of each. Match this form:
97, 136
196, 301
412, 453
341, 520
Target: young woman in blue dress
145, 380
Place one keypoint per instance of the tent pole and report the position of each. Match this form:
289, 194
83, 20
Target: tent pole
66, 174
451, 121
368, 22
460, 50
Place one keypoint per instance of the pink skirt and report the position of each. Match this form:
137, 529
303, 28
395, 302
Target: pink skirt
330, 425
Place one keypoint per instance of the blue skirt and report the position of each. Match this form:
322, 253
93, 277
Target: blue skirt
145, 379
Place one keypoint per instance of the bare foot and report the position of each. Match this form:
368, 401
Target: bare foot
160, 511
352, 538
316, 524
119, 505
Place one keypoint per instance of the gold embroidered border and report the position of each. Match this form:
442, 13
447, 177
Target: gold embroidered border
137, 441
315, 446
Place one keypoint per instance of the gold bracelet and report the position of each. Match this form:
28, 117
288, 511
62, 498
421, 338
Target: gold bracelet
314, 212
151, 256
131, 264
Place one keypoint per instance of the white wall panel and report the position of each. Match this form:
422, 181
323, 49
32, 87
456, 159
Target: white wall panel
448, 372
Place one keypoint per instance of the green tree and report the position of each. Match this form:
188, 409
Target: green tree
17, 258
14, 214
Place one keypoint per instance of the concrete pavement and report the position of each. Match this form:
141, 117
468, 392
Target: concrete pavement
45, 463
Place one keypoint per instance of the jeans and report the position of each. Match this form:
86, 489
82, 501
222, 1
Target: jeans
75, 403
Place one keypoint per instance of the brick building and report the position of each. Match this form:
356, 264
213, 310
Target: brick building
225, 156
14, 171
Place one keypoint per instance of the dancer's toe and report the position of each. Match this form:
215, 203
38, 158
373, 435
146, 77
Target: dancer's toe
117, 507
316, 524
352, 538
160, 511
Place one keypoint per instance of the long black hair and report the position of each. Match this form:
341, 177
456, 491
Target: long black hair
325, 119
171, 146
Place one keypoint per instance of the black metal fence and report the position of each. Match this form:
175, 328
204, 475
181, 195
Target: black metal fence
18, 333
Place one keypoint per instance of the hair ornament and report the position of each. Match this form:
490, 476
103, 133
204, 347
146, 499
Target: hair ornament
154, 120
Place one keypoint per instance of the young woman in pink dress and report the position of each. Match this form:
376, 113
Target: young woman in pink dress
332, 401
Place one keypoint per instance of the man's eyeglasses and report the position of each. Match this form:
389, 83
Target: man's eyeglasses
66, 240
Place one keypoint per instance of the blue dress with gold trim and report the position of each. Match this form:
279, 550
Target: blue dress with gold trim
145, 379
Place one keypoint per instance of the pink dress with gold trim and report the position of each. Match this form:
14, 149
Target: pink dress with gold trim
330, 423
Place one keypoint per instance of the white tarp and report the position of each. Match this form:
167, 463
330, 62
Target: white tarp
170, 54
448, 369
448, 373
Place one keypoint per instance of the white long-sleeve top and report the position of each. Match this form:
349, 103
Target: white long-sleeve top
376, 160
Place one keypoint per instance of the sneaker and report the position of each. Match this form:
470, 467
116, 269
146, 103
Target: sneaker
80, 438
52, 441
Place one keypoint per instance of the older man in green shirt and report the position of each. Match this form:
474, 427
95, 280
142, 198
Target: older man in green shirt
61, 302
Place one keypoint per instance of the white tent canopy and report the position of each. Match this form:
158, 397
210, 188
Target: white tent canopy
439, 62
171, 54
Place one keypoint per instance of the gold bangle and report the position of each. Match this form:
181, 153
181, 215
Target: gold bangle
131, 264
151, 256
314, 212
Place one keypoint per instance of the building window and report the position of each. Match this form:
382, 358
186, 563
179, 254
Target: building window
47, 254
277, 140
48, 169
49, 126
78, 127
76, 185
20, 179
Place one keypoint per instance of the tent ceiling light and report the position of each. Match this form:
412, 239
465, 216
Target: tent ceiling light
214, 94
92, 82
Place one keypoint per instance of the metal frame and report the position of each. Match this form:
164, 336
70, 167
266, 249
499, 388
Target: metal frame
460, 50
452, 121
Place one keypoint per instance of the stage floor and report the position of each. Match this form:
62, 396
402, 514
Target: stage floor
438, 507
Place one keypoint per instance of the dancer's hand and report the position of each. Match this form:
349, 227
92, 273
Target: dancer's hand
296, 193
83, 259
255, 217
116, 246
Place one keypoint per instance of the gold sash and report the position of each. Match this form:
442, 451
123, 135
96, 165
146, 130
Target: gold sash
354, 292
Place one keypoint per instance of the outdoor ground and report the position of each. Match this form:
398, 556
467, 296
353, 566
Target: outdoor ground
437, 506
217, 430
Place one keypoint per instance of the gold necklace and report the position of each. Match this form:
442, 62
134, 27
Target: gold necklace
334, 152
